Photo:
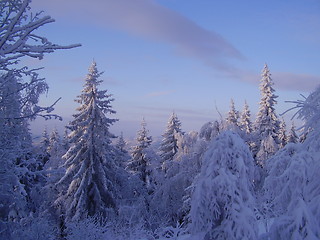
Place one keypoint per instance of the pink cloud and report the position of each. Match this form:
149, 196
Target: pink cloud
150, 20
284, 80
294, 81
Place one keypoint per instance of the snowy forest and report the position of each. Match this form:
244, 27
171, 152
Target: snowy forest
243, 176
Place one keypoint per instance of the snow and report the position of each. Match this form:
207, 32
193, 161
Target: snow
204, 185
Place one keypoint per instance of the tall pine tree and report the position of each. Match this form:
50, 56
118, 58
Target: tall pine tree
267, 123
89, 161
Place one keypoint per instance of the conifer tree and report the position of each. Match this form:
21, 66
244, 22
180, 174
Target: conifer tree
54, 147
267, 124
139, 162
245, 120
45, 141
169, 145
121, 143
293, 137
90, 174
283, 134
233, 116
44, 147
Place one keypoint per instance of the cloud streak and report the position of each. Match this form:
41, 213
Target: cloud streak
284, 80
150, 20
158, 94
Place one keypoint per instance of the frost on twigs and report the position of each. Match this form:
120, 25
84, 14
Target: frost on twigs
18, 39
17, 33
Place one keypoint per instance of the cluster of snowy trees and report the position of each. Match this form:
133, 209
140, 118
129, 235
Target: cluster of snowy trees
234, 179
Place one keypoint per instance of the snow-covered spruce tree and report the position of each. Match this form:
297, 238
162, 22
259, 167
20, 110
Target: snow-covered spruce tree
232, 117
90, 165
283, 133
246, 127
54, 147
267, 123
292, 136
55, 151
245, 120
222, 201
43, 153
140, 162
121, 143
169, 146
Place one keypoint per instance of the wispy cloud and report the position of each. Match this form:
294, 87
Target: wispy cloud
294, 81
284, 80
148, 19
183, 111
157, 94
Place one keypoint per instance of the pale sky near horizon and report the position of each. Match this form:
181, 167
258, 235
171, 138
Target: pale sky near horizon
187, 56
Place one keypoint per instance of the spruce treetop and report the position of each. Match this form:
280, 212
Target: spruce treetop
267, 120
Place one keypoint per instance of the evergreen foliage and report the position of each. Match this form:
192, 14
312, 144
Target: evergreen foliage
232, 117
267, 124
293, 137
121, 143
89, 161
283, 138
140, 160
169, 145
245, 120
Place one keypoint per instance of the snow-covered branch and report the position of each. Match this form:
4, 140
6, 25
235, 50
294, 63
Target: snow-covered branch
17, 37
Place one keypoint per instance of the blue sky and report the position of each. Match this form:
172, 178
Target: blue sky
187, 56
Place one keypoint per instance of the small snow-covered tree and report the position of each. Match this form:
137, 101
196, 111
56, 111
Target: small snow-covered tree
222, 201
283, 133
233, 117
121, 143
140, 160
267, 123
293, 137
169, 146
246, 127
90, 174
54, 147
245, 120
44, 154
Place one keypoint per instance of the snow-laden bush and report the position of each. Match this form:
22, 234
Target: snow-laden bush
292, 192
222, 201
32, 228
92, 228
